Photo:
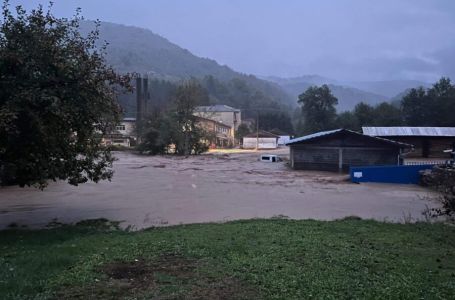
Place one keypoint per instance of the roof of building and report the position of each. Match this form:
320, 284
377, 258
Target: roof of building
409, 131
213, 121
322, 134
129, 119
262, 134
216, 108
279, 132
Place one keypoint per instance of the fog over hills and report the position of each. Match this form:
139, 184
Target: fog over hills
134, 49
347, 96
350, 93
350, 41
389, 88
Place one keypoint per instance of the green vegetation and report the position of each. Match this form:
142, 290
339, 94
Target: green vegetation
262, 259
236, 93
54, 86
177, 126
384, 114
318, 109
133, 49
347, 96
418, 107
431, 107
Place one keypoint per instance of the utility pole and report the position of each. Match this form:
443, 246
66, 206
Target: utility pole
257, 131
139, 107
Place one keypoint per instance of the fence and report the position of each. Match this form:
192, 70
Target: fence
423, 163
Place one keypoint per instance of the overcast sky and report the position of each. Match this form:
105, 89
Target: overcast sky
340, 39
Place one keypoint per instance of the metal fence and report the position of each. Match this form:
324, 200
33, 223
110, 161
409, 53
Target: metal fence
426, 162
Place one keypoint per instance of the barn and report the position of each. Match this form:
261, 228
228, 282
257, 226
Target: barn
260, 140
338, 150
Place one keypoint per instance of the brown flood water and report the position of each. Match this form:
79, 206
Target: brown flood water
156, 191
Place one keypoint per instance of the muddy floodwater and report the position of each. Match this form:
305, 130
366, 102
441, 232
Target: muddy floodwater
156, 191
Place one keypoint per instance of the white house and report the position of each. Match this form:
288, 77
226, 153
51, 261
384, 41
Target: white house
123, 135
283, 137
260, 140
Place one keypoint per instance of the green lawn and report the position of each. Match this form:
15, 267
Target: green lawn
257, 259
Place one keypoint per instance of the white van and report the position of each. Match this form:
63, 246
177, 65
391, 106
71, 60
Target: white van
269, 158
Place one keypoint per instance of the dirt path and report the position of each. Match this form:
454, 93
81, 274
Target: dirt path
153, 191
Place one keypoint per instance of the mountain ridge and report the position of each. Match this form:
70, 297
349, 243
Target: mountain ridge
140, 50
135, 49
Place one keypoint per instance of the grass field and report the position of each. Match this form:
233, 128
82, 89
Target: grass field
257, 259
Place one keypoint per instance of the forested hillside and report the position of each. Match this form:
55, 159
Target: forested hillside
133, 49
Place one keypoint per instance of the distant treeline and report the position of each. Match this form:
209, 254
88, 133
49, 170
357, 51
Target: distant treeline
418, 107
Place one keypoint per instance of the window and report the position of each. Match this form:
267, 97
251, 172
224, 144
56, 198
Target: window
120, 127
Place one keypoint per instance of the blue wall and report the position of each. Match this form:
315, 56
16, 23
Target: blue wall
388, 174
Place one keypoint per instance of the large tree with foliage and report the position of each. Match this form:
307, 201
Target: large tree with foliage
416, 107
432, 107
177, 127
56, 97
318, 108
188, 138
275, 119
383, 114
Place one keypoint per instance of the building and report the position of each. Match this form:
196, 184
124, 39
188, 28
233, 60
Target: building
219, 134
338, 150
260, 140
221, 113
283, 136
427, 141
124, 134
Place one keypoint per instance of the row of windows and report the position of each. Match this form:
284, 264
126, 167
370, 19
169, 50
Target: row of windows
120, 127
222, 129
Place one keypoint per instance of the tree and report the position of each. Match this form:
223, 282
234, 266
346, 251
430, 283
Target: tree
177, 127
432, 107
387, 114
442, 95
347, 120
318, 108
242, 131
57, 97
188, 138
416, 107
276, 120
364, 113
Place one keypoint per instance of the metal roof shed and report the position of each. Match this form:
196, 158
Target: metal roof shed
339, 149
428, 141
410, 131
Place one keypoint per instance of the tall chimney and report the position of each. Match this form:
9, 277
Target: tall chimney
139, 107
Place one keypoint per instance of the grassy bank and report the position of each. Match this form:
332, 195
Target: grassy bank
259, 259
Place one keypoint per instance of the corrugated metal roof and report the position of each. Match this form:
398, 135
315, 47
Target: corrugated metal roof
129, 119
312, 136
409, 131
330, 132
216, 108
